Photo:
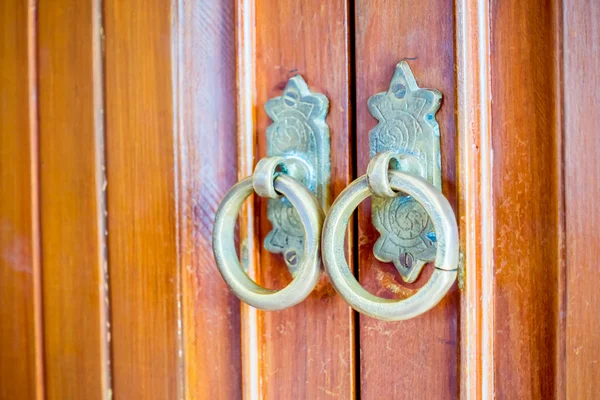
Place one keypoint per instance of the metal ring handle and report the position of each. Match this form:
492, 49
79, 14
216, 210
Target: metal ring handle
446, 262
308, 272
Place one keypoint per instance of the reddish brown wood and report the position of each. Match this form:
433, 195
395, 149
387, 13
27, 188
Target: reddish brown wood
581, 50
140, 156
249, 225
474, 197
21, 357
526, 179
71, 216
526, 106
417, 358
307, 351
208, 161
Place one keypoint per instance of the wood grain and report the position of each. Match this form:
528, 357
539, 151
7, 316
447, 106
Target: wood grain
249, 219
474, 197
140, 156
526, 164
208, 160
307, 351
21, 358
417, 358
71, 216
581, 50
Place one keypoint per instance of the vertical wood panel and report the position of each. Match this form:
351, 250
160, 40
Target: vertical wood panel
417, 358
582, 188
208, 159
250, 328
526, 180
140, 159
20, 341
73, 287
474, 197
307, 351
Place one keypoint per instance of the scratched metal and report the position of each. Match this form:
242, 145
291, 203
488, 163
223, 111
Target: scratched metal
300, 135
407, 125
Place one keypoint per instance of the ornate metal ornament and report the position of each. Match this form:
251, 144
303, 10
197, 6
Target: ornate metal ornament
407, 126
300, 135
381, 181
264, 182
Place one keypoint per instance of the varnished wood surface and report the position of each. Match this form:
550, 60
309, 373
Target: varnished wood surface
526, 198
581, 50
162, 97
206, 117
249, 225
306, 351
20, 340
417, 358
140, 157
474, 197
73, 285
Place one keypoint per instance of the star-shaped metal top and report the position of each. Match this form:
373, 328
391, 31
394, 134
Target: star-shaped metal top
407, 125
300, 134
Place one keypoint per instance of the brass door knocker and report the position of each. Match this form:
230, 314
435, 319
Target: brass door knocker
415, 220
266, 183
295, 177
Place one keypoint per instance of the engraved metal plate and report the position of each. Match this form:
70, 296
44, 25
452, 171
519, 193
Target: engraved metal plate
407, 125
300, 134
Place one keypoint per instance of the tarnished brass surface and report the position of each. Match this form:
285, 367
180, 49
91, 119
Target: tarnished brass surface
407, 126
300, 135
310, 217
264, 176
446, 260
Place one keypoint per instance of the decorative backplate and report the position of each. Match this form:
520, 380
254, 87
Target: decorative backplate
407, 125
300, 134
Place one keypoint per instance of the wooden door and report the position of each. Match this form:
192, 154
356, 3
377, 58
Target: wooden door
123, 125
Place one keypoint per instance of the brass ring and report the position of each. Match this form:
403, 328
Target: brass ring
309, 271
446, 261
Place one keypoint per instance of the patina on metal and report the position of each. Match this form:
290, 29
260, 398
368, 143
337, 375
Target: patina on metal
267, 181
391, 183
407, 126
300, 135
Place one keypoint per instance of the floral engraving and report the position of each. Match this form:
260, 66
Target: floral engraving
300, 134
407, 125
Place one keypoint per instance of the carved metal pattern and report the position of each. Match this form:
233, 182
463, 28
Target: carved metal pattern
300, 134
407, 125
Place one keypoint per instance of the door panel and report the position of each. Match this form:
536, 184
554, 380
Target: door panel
581, 110
140, 165
71, 208
306, 351
417, 358
208, 167
21, 360
526, 198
